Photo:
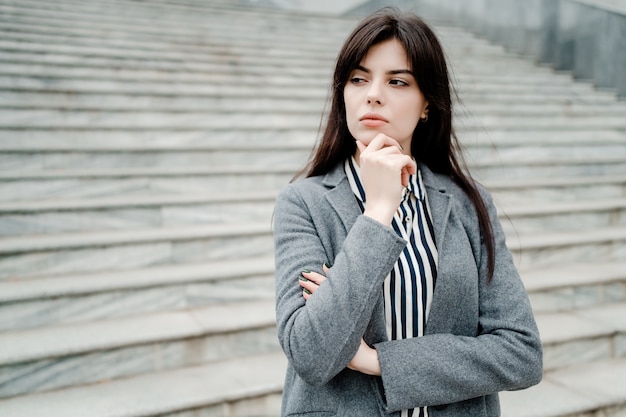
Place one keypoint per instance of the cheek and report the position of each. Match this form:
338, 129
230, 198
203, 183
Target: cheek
352, 116
349, 101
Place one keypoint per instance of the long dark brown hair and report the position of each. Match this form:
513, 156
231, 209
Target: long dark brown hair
434, 142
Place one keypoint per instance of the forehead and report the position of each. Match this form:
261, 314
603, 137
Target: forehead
389, 54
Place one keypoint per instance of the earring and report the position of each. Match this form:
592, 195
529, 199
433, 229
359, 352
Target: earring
424, 119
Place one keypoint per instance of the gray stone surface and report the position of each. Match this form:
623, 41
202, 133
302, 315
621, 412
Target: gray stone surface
564, 33
87, 297
83, 353
138, 168
160, 393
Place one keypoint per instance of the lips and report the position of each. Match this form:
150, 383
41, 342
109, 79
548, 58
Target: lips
373, 120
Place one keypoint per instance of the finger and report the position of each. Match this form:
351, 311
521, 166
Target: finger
380, 141
308, 287
411, 167
389, 150
405, 177
325, 268
313, 277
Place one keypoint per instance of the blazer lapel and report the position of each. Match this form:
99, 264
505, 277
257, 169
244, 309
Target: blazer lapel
340, 196
342, 200
440, 204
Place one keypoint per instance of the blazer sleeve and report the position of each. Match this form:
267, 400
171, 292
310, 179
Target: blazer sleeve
321, 336
506, 354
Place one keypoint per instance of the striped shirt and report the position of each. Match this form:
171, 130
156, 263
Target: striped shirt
408, 289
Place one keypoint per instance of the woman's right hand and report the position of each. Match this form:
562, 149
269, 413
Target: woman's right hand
385, 171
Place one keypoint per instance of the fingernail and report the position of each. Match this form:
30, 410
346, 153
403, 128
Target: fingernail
306, 271
327, 265
307, 291
401, 147
303, 279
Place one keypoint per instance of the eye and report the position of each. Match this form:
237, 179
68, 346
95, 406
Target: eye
357, 80
396, 81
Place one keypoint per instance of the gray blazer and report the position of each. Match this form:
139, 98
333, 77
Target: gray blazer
480, 338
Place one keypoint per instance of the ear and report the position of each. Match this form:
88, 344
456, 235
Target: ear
424, 114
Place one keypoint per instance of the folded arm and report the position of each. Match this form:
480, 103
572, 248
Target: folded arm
320, 337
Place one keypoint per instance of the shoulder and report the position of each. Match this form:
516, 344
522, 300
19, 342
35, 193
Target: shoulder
445, 183
302, 190
312, 188
461, 205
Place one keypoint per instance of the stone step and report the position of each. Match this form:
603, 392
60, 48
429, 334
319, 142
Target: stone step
537, 216
574, 287
133, 212
582, 336
35, 360
581, 390
115, 91
497, 138
62, 254
199, 23
145, 181
106, 294
589, 390
277, 23
159, 90
530, 154
518, 73
53, 40
509, 192
90, 183
238, 137
563, 166
166, 66
36, 35
18, 65
54, 120
475, 102
543, 249
253, 156
39, 255
19, 52
24, 158
164, 50
145, 103
568, 338
192, 11
242, 387
232, 72
469, 53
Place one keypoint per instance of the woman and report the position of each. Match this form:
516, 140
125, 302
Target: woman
422, 311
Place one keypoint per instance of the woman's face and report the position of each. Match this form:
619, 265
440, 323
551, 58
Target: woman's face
382, 96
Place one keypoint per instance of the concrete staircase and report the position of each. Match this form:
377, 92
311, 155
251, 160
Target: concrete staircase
141, 147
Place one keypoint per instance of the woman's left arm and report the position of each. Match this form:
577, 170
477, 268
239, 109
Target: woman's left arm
446, 368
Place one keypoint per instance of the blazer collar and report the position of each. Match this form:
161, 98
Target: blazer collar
340, 196
439, 200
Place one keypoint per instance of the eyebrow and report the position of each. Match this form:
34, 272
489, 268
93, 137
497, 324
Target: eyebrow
392, 72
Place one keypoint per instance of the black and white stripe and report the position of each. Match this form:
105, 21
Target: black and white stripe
408, 289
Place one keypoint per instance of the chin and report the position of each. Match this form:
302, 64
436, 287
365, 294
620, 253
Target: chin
366, 137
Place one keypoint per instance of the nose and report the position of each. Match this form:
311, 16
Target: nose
374, 94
